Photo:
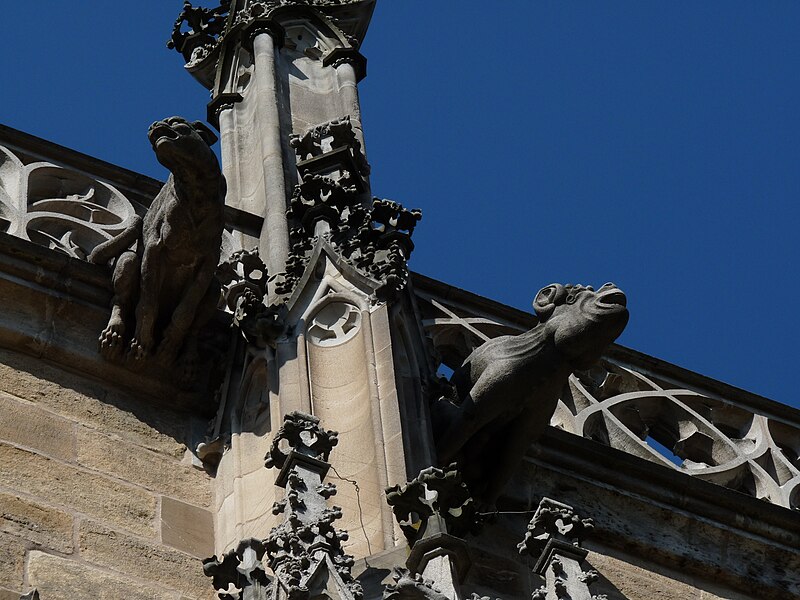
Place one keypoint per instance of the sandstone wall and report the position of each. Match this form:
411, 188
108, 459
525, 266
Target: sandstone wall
97, 491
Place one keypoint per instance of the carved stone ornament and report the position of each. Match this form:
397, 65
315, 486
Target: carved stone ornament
554, 539
165, 289
433, 492
506, 391
305, 551
372, 235
303, 434
307, 540
59, 208
411, 586
240, 574
554, 521
244, 278
198, 31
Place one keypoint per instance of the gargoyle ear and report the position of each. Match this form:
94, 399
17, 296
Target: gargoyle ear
546, 300
205, 132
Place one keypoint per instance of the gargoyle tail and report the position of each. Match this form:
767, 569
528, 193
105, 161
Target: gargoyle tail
117, 245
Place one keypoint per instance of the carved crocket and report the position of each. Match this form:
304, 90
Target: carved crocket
507, 390
165, 290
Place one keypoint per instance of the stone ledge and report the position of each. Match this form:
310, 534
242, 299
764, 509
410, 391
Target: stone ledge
642, 509
55, 308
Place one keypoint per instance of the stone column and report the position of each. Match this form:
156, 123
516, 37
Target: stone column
274, 239
348, 87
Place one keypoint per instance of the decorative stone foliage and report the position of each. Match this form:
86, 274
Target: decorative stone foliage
198, 31
305, 551
374, 236
554, 539
433, 492
240, 574
244, 277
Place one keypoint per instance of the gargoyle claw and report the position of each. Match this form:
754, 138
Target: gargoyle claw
111, 342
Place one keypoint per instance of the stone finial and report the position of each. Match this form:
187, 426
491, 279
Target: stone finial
305, 551
331, 199
304, 436
307, 540
554, 521
554, 539
197, 30
433, 492
240, 574
244, 278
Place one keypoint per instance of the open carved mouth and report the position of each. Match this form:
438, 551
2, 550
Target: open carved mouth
612, 297
161, 132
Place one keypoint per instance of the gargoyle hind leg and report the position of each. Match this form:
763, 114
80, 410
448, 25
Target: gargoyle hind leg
185, 314
141, 345
476, 411
125, 282
189, 362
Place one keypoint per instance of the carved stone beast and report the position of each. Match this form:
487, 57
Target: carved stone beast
506, 391
165, 289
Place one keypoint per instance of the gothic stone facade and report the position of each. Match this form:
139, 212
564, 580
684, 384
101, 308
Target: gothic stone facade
126, 470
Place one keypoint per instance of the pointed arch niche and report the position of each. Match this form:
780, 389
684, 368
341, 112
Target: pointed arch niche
344, 374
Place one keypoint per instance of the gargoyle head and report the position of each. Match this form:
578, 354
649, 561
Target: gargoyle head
581, 321
183, 147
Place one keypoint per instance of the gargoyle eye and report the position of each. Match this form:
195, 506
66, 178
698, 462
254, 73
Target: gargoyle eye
571, 299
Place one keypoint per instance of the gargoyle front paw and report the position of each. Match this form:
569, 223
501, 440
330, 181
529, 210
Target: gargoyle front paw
111, 342
137, 352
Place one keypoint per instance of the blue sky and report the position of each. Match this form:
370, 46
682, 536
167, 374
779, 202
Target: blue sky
653, 144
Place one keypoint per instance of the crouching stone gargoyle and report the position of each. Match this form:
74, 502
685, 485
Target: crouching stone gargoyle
506, 391
165, 290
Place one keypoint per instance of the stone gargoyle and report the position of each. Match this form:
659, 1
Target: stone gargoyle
165, 289
504, 394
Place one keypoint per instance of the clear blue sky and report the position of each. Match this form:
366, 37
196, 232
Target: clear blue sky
653, 144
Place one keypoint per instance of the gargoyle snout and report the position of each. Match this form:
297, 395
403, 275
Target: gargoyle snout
611, 295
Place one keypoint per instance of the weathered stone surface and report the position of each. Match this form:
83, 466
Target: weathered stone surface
58, 578
92, 403
9, 595
46, 526
143, 467
170, 278
187, 528
26, 424
621, 580
12, 552
113, 502
140, 559
505, 392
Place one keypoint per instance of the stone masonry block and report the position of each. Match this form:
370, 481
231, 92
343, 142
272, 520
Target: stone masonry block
65, 485
143, 467
9, 595
187, 528
25, 424
12, 560
92, 403
151, 562
45, 526
63, 579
